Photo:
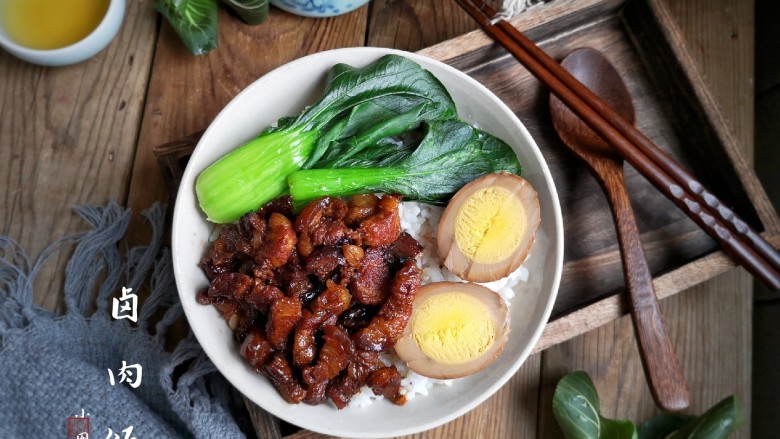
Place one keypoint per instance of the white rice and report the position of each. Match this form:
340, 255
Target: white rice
412, 383
422, 222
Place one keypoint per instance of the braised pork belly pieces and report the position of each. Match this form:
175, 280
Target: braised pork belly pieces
314, 299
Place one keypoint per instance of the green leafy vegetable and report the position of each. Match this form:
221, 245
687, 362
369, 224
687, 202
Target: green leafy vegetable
391, 96
360, 108
251, 11
451, 154
194, 20
577, 410
248, 177
662, 425
717, 423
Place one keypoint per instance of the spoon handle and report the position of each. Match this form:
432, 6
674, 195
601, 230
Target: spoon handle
662, 369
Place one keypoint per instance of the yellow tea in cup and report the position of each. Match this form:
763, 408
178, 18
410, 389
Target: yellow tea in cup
50, 24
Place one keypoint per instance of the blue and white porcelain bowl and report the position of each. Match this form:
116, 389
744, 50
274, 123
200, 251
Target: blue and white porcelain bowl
318, 8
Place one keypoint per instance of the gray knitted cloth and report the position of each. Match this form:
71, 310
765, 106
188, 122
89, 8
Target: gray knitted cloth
54, 367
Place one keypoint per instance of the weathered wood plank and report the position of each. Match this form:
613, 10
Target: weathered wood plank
691, 87
614, 307
67, 137
414, 24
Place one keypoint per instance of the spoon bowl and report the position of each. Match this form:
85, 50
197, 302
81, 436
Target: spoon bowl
594, 71
662, 369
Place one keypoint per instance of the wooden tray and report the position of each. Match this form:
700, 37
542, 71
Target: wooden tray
674, 109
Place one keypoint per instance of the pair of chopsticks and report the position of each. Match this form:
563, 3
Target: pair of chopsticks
733, 234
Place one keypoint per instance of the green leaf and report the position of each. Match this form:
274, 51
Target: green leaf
662, 425
577, 409
251, 11
617, 429
451, 154
400, 82
361, 106
369, 124
717, 423
194, 20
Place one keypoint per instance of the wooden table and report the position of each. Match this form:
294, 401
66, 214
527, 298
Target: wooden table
84, 134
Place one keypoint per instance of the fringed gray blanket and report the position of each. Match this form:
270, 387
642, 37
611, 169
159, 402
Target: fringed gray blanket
55, 369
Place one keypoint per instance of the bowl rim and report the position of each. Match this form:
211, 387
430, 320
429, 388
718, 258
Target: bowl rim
373, 53
101, 32
315, 13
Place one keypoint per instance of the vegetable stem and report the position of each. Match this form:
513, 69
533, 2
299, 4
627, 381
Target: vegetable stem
451, 154
315, 183
253, 174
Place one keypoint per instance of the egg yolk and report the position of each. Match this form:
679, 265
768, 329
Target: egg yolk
453, 328
490, 225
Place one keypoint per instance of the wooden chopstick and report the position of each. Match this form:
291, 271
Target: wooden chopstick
733, 234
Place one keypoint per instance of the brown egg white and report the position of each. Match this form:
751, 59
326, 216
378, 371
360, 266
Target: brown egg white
456, 329
488, 227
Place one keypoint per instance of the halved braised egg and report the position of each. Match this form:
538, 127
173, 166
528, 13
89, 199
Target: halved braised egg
456, 329
488, 227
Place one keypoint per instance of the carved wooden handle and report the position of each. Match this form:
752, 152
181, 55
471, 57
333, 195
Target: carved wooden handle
762, 260
662, 368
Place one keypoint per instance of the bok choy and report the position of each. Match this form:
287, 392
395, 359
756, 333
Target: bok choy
451, 154
360, 108
196, 20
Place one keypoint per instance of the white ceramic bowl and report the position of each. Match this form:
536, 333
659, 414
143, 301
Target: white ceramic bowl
286, 91
79, 51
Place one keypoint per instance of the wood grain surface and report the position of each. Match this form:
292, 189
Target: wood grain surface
68, 137
85, 134
713, 337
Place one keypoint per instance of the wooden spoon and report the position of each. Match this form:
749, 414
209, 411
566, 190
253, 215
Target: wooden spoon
662, 369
